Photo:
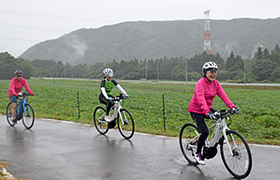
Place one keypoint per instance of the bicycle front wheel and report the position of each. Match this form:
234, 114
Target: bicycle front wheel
125, 124
98, 117
237, 156
9, 114
188, 139
28, 118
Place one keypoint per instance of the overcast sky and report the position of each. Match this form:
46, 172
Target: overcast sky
24, 23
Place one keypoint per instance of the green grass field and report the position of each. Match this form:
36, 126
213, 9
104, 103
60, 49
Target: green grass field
258, 120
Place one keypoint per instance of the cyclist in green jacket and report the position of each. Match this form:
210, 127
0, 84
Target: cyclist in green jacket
106, 96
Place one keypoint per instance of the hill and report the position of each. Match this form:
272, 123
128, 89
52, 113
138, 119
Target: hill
157, 39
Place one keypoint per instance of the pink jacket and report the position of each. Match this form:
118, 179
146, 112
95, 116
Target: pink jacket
203, 96
16, 86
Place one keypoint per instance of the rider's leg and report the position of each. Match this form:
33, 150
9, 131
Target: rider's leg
14, 107
202, 127
108, 104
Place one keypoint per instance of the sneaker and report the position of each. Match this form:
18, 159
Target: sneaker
199, 159
14, 121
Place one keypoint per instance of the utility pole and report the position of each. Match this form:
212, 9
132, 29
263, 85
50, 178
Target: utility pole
89, 73
244, 75
53, 74
146, 71
186, 72
157, 72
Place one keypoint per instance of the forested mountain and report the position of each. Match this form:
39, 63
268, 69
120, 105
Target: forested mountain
153, 40
264, 67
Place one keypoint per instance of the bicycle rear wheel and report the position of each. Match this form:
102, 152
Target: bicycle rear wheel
98, 118
28, 118
237, 156
9, 114
188, 142
126, 125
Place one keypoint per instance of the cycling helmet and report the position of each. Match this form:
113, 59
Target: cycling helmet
108, 72
209, 65
18, 72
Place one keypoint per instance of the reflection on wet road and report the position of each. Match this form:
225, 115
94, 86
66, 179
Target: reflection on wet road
64, 150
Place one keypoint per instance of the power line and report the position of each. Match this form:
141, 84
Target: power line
15, 39
48, 16
30, 27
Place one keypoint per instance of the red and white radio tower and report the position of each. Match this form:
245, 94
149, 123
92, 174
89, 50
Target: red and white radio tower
207, 41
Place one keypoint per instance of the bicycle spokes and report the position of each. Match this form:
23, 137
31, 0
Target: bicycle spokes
188, 142
98, 117
28, 116
236, 155
125, 124
9, 114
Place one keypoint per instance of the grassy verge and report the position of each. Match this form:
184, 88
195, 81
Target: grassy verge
258, 120
3, 176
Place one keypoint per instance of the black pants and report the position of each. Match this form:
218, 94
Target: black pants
107, 102
202, 127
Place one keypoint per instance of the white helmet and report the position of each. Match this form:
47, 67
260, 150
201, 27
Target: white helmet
209, 65
108, 72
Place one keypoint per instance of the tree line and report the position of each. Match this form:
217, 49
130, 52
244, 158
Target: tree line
264, 67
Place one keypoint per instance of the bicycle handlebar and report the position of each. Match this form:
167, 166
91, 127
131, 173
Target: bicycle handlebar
26, 94
23, 95
224, 113
120, 97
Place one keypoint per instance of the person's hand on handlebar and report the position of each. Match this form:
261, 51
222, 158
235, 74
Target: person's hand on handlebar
235, 110
211, 115
126, 96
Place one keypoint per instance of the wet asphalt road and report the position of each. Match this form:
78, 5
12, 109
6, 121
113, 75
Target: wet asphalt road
59, 150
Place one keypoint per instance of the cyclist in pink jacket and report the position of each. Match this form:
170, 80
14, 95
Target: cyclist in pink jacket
15, 87
201, 103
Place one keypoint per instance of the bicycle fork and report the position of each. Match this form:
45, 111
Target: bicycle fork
122, 117
225, 128
23, 103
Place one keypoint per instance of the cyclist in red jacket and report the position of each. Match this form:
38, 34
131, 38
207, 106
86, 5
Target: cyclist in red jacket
201, 103
15, 87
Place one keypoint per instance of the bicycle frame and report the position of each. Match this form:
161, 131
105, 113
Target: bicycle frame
21, 107
220, 128
117, 109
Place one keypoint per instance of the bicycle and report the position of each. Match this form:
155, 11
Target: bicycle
235, 152
24, 111
124, 119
